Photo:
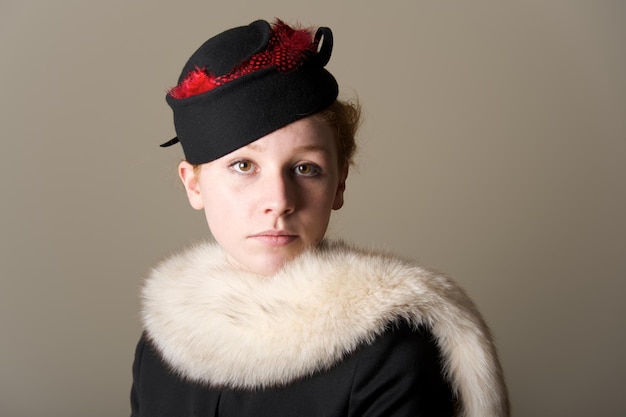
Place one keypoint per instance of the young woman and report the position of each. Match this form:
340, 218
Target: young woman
271, 319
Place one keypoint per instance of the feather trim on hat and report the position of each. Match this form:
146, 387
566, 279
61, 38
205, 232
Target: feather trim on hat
286, 50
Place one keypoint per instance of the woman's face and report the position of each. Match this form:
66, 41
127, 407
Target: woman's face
268, 201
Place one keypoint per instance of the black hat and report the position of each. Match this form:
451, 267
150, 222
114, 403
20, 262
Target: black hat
247, 82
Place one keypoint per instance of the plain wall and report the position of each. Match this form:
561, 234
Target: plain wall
493, 150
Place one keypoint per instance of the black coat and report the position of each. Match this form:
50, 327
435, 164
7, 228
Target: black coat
399, 375
337, 332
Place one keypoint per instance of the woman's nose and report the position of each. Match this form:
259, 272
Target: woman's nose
279, 194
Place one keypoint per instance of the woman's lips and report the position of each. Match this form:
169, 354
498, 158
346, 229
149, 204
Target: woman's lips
274, 238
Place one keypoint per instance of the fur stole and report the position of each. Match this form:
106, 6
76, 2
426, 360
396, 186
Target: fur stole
215, 324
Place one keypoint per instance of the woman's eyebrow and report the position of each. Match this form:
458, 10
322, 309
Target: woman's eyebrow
304, 148
313, 148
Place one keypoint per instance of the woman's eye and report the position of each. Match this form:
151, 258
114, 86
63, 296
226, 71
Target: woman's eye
243, 167
307, 170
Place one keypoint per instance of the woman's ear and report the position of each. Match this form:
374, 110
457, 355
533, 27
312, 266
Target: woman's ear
341, 187
191, 182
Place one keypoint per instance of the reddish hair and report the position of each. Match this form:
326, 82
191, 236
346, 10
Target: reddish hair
344, 118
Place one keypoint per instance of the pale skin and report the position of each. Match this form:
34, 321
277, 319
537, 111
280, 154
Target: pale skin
266, 202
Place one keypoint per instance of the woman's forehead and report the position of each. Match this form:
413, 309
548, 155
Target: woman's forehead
305, 135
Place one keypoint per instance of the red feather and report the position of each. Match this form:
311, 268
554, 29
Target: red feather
287, 49
196, 82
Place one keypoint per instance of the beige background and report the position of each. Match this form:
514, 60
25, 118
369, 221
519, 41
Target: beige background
493, 150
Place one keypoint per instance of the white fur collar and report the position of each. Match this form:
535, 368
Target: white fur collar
216, 324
